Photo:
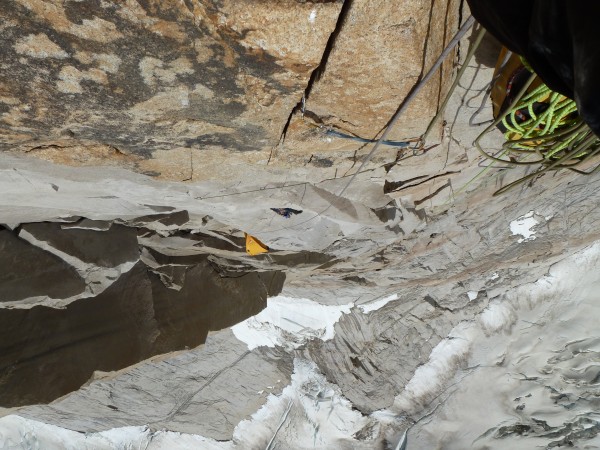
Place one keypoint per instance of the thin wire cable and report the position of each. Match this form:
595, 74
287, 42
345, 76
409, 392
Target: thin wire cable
442, 108
461, 32
467, 25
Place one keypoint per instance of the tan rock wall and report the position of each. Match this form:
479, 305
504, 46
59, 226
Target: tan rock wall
156, 75
381, 52
168, 88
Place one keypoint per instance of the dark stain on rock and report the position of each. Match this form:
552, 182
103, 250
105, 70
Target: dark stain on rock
47, 352
226, 141
78, 11
321, 162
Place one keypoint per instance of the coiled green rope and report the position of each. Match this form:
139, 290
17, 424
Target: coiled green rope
553, 133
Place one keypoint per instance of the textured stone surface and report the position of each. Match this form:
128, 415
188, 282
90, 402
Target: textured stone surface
28, 272
91, 82
422, 309
184, 391
170, 88
380, 53
116, 307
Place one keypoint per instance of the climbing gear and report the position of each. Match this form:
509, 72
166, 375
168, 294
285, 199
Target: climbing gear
286, 212
331, 132
254, 246
466, 26
541, 127
559, 39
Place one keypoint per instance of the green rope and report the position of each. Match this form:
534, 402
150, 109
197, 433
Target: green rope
556, 135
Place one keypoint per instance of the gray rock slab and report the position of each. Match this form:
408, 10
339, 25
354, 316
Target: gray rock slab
205, 391
27, 271
110, 248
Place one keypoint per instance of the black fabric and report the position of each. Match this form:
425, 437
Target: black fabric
559, 38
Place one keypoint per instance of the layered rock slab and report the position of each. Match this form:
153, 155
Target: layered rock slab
29, 272
183, 392
95, 304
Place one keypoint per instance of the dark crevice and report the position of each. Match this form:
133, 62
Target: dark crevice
427, 36
429, 299
444, 43
433, 194
395, 186
461, 9
320, 69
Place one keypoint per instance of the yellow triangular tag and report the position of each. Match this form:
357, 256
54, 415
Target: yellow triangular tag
254, 246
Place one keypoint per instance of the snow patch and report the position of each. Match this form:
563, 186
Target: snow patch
523, 226
289, 323
472, 295
311, 412
377, 304
430, 378
312, 16
497, 315
20, 433
17, 432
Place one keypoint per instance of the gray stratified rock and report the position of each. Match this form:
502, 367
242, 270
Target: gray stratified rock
28, 271
188, 392
47, 352
372, 356
128, 312
110, 248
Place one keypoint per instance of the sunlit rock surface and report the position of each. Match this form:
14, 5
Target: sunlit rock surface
200, 89
134, 78
415, 309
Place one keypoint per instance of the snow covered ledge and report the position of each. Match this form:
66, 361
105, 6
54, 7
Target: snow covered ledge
524, 366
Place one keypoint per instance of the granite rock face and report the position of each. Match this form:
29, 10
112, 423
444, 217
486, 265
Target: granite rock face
179, 89
415, 306
123, 80
381, 50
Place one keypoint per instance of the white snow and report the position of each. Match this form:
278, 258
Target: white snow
472, 295
290, 322
377, 304
430, 378
497, 315
19, 433
312, 16
311, 410
548, 316
523, 226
